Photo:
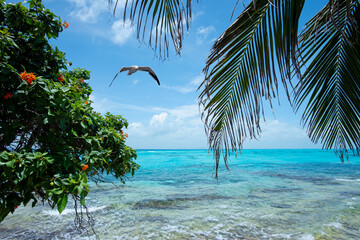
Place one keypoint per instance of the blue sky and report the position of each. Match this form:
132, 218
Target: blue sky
165, 116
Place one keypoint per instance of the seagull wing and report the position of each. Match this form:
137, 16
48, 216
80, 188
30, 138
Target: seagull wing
121, 70
125, 69
151, 72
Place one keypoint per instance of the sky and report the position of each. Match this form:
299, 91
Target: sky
165, 116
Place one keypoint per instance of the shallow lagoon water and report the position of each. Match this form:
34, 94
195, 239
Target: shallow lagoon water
268, 194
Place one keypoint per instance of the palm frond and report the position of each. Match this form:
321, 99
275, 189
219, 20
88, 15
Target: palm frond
241, 69
167, 18
330, 86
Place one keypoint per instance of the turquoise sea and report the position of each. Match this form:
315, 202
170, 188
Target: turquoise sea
268, 194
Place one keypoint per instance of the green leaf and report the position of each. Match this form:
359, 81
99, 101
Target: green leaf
4, 155
56, 191
64, 89
82, 201
74, 132
80, 189
67, 163
10, 163
61, 203
31, 4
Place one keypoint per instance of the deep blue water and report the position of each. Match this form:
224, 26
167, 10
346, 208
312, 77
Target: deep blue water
267, 194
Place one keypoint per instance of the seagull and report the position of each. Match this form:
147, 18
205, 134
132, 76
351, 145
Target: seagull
135, 68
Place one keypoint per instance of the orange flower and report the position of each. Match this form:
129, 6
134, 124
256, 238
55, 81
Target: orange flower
86, 102
8, 95
28, 77
23, 75
81, 80
126, 135
65, 24
85, 167
61, 78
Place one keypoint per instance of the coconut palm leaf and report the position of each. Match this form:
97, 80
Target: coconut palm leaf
330, 86
167, 19
241, 71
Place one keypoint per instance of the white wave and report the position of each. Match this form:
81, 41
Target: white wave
307, 236
347, 180
211, 219
70, 211
283, 236
56, 213
223, 206
175, 228
94, 209
335, 225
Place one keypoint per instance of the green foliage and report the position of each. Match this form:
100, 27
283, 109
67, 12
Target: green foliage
51, 140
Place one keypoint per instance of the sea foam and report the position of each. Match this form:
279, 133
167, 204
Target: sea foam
70, 211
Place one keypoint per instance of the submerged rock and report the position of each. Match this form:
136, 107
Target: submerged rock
158, 204
175, 201
280, 190
281, 206
350, 193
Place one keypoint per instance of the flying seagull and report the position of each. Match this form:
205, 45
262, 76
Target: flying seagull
135, 68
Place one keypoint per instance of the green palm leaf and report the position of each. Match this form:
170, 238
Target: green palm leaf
167, 18
330, 85
241, 71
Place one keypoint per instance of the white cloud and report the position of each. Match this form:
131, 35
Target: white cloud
179, 127
136, 125
203, 33
89, 11
121, 31
158, 119
137, 130
205, 30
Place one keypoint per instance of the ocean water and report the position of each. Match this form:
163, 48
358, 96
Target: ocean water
268, 194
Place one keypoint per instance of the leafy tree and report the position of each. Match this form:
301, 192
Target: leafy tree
319, 68
51, 140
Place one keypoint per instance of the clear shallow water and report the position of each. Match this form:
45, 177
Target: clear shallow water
268, 194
